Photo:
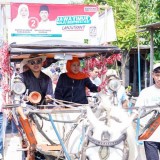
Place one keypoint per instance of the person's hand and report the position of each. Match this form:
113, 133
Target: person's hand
8, 113
21, 113
102, 86
134, 113
48, 98
25, 98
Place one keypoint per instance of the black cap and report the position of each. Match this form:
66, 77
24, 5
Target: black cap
44, 8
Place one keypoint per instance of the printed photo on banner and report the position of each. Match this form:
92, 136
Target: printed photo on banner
31, 19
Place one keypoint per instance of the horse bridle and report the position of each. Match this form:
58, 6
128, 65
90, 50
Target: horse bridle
105, 143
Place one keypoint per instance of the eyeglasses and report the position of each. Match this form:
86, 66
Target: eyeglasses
33, 62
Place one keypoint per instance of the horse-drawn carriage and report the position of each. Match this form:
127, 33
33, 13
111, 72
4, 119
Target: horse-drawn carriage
61, 130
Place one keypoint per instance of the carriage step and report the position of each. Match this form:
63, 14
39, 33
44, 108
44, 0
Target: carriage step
47, 148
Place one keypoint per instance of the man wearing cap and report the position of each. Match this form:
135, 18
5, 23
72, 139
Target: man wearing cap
150, 96
34, 79
44, 23
121, 96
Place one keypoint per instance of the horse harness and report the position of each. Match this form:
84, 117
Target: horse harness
151, 126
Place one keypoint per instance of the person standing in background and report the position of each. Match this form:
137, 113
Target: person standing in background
0, 77
94, 78
1, 126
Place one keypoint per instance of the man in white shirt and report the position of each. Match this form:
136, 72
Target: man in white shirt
150, 96
94, 76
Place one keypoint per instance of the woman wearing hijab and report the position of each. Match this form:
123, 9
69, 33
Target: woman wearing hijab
72, 85
21, 20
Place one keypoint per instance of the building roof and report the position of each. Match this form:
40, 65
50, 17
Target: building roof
153, 26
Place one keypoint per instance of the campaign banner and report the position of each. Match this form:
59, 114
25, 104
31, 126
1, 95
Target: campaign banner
32, 22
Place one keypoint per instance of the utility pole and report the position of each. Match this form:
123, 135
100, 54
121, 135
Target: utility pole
139, 66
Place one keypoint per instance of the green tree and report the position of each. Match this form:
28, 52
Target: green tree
125, 20
150, 13
128, 15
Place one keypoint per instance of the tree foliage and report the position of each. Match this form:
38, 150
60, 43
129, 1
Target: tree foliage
150, 13
128, 15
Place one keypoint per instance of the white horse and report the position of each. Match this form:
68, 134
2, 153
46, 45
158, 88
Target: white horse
118, 125
87, 137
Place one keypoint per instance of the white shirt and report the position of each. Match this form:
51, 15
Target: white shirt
96, 81
149, 96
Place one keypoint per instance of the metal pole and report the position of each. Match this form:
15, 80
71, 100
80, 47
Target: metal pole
145, 72
139, 67
151, 56
58, 136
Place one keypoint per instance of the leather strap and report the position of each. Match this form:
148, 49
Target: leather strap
149, 131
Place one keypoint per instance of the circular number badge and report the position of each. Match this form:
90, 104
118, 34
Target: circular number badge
33, 22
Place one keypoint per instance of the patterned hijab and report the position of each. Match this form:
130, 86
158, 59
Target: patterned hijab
79, 75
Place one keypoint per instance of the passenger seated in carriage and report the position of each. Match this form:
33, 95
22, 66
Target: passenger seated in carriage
72, 85
35, 80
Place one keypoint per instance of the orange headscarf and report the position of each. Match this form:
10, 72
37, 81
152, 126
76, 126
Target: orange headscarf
79, 75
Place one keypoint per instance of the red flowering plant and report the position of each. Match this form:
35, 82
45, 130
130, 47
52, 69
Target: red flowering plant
6, 70
100, 62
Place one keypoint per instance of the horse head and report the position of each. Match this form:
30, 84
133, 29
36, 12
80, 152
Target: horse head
108, 138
